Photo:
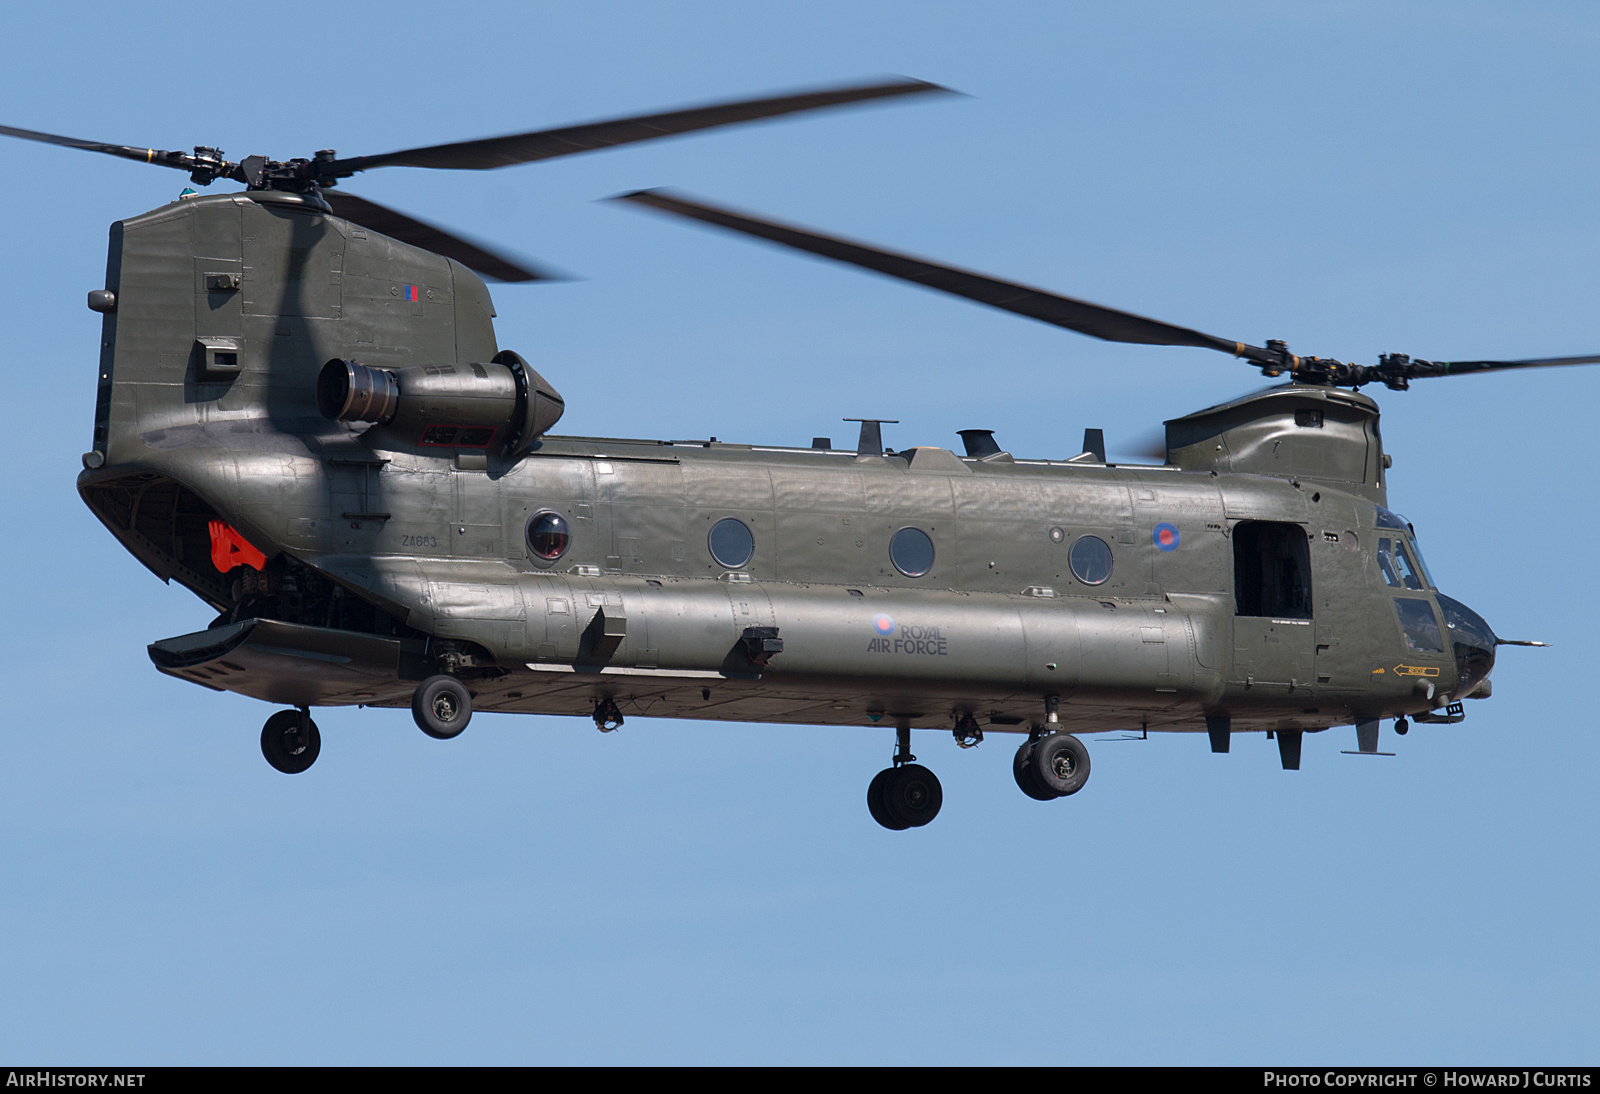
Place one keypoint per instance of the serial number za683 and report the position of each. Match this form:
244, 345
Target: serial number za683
419, 541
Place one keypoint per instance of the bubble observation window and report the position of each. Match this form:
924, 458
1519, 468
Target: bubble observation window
548, 535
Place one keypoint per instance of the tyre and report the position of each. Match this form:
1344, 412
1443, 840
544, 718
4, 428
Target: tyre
442, 707
1027, 781
283, 747
876, 804
912, 795
1060, 764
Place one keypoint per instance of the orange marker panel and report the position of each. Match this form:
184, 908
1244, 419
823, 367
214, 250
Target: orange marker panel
230, 549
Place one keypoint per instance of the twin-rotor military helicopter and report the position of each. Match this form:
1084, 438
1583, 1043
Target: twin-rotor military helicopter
303, 417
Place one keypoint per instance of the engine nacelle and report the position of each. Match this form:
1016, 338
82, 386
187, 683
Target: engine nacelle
503, 404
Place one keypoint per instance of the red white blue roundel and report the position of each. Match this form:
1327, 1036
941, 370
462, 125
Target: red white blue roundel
883, 623
1166, 536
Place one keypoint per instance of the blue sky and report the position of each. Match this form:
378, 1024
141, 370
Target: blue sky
1353, 177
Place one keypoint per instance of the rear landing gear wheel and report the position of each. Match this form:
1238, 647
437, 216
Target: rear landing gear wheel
1060, 764
290, 741
442, 707
1027, 781
1401, 726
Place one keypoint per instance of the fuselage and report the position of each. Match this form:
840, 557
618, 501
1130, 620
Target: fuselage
1258, 575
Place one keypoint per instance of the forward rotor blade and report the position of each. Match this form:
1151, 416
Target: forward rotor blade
543, 144
1459, 368
127, 152
380, 218
1062, 311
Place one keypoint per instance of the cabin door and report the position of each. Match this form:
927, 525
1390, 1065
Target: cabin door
1274, 635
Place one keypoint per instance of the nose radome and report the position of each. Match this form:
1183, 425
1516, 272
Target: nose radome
1473, 642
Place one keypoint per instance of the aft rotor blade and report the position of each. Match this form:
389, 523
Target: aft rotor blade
1047, 307
396, 225
543, 144
127, 152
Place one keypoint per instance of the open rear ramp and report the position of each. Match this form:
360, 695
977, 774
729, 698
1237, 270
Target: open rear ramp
288, 663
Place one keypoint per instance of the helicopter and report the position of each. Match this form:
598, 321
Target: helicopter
304, 417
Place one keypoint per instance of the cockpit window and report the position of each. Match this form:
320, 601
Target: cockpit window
1422, 564
1394, 561
1386, 563
1419, 625
1389, 519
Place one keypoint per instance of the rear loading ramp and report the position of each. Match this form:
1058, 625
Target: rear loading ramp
288, 663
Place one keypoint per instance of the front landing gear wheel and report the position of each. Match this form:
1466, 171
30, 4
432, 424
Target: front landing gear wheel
876, 803
442, 707
912, 796
290, 744
1027, 781
1060, 764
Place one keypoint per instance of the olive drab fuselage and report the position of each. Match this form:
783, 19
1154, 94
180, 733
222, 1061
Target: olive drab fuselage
1245, 575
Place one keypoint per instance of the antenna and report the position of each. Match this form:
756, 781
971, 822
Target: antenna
871, 442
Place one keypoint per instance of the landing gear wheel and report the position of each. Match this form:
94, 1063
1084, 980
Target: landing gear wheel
912, 795
876, 803
1401, 726
285, 747
1060, 764
1027, 781
442, 707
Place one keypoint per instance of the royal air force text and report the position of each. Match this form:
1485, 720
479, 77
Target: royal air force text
924, 641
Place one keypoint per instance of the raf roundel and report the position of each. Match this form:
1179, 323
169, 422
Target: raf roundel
883, 624
1166, 536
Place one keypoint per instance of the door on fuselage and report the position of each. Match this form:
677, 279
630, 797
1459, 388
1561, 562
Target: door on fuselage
1274, 637
1423, 645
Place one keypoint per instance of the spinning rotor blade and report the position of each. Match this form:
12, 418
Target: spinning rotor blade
1460, 368
1062, 311
483, 155
143, 155
380, 218
1394, 370
1397, 370
207, 165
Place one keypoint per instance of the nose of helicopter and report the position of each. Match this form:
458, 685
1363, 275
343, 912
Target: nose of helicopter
1473, 641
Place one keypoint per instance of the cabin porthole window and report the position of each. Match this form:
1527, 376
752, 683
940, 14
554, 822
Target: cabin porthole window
1090, 559
731, 543
911, 551
549, 535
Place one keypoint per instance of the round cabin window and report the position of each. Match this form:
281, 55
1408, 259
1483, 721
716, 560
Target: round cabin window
732, 543
1091, 560
911, 551
548, 535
